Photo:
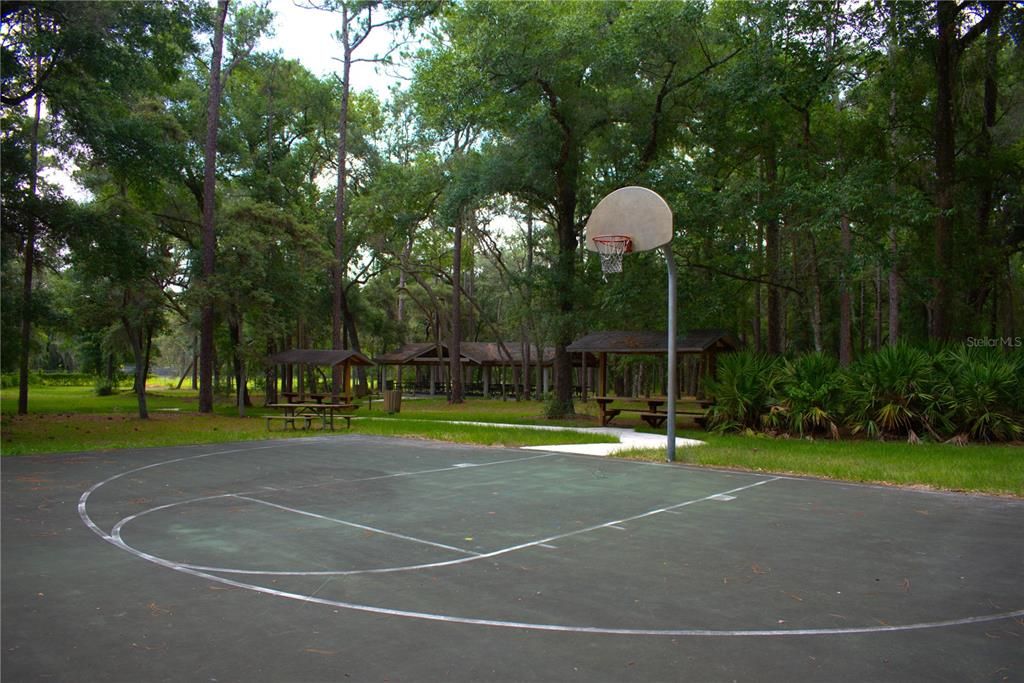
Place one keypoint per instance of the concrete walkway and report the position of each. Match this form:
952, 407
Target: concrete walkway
628, 439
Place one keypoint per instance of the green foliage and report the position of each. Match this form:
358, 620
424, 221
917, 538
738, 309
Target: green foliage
809, 395
978, 392
104, 387
888, 392
49, 379
958, 392
764, 125
744, 389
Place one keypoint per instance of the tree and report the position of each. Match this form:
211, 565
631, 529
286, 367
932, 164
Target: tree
576, 99
264, 254
248, 25
121, 261
359, 18
949, 48
76, 59
209, 235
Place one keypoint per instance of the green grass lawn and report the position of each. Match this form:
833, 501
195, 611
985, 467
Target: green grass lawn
995, 469
71, 419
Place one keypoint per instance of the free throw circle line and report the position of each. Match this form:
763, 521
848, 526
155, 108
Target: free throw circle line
116, 534
563, 628
427, 616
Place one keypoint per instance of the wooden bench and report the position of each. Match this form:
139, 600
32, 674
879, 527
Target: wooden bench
289, 419
644, 413
608, 414
330, 411
654, 412
653, 419
656, 419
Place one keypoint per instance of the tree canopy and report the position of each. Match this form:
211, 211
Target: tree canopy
843, 177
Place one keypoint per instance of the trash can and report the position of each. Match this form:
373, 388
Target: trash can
392, 401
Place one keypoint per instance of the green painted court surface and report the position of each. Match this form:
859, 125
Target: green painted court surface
365, 558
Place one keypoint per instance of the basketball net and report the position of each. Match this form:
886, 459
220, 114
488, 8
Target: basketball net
612, 248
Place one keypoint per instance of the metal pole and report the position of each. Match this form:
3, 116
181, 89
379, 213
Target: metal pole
671, 408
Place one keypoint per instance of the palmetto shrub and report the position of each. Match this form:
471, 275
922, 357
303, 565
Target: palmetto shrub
888, 392
743, 389
977, 392
809, 393
969, 394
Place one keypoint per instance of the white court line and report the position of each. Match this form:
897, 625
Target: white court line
617, 523
564, 628
392, 475
355, 525
115, 532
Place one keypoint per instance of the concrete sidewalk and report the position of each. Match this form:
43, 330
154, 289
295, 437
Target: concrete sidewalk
628, 439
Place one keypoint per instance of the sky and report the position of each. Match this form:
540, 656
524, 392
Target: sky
308, 36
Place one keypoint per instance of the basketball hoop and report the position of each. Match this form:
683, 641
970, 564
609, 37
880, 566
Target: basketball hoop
648, 217
612, 248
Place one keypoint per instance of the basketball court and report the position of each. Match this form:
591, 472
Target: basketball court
348, 557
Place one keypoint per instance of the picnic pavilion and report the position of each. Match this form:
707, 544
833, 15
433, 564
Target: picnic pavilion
487, 367
695, 352
303, 376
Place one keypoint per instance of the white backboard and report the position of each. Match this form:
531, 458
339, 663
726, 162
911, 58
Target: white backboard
640, 213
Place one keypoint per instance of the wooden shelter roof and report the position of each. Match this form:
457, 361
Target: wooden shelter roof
328, 357
695, 341
477, 353
410, 353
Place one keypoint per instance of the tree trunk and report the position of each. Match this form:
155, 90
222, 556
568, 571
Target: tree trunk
455, 343
30, 261
816, 298
757, 322
985, 184
894, 247
271, 377
238, 362
352, 334
185, 374
945, 176
773, 254
148, 356
948, 49
565, 265
877, 340
209, 235
338, 266
243, 377
894, 288
138, 353
404, 262
845, 305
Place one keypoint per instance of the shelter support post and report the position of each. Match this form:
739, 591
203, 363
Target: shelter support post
583, 376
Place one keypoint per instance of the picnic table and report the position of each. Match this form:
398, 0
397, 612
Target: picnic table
318, 397
307, 413
653, 414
